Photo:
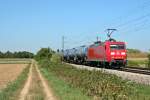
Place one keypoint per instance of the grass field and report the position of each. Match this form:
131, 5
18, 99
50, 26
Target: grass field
62, 89
137, 58
91, 84
138, 62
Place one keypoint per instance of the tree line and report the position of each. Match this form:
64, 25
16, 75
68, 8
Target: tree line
20, 54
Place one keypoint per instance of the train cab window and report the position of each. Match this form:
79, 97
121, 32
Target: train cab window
97, 44
86, 49
117, 46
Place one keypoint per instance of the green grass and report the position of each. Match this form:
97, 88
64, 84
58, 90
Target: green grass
94, 84
65, 79
138, 63
8, 93
62, 89
143, 90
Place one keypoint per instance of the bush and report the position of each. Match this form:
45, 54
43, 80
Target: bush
56, 58
148, 60
44, 53
45, 63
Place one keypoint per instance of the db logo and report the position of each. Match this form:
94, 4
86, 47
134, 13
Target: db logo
118, 53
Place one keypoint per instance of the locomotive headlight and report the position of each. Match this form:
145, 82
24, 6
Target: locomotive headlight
123, 53
112, 53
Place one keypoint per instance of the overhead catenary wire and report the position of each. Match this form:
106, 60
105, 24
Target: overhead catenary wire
134, 25
130, 13
133, 20
128, 22
137, 29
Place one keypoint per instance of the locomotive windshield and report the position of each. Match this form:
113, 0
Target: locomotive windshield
117, 46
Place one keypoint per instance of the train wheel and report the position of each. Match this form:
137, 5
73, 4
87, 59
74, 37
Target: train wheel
107, 65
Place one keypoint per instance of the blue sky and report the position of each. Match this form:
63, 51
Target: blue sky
32, 24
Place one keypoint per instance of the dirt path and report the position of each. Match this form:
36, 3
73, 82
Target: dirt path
47, 91
36, 88
27, 85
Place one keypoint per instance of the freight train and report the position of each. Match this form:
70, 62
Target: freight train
108, 54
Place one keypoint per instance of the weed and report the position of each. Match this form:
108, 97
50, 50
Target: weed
94, 84
149, 61
62, 89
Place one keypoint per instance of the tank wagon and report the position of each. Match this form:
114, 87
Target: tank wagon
110, 54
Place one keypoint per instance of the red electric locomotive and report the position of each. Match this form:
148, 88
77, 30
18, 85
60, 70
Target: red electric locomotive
111, 53
107, 54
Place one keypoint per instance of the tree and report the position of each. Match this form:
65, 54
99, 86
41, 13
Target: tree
44, 53
8, 54
133, 51
24, 54
1, 55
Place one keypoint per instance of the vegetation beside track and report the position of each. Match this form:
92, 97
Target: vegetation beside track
10, 92
138, 63
137, 58
65, 79
62, 89
135, 53
94, 84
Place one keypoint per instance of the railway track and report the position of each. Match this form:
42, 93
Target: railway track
136, 70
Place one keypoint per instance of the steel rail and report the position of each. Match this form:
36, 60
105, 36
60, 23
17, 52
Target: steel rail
136, 70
